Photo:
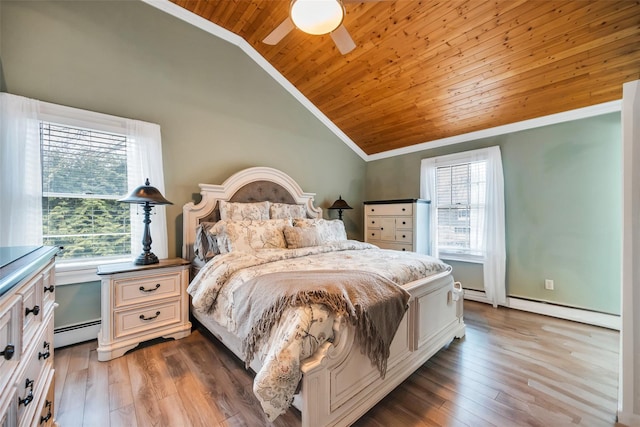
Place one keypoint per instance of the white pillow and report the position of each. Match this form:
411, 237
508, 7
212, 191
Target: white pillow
328, 230
253, 235
243, 211
285, 210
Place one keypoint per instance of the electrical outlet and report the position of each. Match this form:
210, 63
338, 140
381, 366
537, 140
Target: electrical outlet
548, 284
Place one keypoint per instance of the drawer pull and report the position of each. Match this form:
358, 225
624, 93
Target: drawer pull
150, 318
46, 355
404, 237
49, 288
28, 384
404, 222
48, 416
8, 352
373, 222
142, 289
403, 209
35, 310
381, 228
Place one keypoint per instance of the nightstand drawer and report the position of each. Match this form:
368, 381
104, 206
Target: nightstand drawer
150, 288
128, 322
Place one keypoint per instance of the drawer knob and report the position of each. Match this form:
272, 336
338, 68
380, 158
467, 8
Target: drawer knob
49, 288
28, 384
403, 209
373, 222
381, 228
8, 352
403, 236
142, 289
35, 310
45, 355
150, 318
404, 222
403, 249
48, 416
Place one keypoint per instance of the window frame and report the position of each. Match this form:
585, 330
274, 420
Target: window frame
479, 155
82, 270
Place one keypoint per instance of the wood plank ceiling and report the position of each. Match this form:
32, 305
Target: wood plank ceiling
425, 70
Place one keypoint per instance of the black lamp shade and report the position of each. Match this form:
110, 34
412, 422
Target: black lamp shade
340, 205
147, 196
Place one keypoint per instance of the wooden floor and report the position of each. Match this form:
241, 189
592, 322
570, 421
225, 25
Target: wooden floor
512, 369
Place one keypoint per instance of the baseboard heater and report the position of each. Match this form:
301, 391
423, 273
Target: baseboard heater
76, 333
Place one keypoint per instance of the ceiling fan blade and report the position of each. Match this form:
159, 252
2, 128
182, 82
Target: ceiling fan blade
278, 34
343, 40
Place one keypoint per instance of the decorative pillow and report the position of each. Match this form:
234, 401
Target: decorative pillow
206, 245
302, 237
328, 230
252, 235
243, 211
285, 210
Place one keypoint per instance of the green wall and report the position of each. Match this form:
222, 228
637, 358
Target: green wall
563, 195
219, 112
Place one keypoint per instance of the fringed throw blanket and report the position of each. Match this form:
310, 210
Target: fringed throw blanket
373, 304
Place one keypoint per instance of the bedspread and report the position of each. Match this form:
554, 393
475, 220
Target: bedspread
300, 330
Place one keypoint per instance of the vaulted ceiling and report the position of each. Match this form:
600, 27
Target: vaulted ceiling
425, 70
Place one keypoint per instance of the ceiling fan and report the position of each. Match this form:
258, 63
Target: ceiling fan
315, 17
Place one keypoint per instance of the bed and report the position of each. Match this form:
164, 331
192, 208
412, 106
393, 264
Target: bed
333, 364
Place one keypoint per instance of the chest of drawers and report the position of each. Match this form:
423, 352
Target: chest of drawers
398, 224
140, 303
26, 340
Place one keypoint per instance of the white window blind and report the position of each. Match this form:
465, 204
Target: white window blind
84, 173
460, 195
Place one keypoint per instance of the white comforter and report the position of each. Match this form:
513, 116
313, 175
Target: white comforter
301, 330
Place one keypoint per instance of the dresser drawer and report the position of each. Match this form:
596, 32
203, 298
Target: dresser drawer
395, 246
45, 417
10, 337
147, 289
48, 287
392, 209
30, 383
128, 322
8, 402
404, 236
32, 311
404, 223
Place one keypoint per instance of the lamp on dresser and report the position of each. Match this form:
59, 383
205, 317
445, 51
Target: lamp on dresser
147, 196
340, 205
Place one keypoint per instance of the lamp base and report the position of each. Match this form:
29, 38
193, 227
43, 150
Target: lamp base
146, 258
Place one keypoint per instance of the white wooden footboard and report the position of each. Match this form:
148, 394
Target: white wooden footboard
340, 384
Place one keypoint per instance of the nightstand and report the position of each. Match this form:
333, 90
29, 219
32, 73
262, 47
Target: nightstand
142, 302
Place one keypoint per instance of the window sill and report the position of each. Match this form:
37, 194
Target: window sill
73, 272
460, 258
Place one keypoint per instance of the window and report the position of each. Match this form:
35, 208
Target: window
84, 173
63, 171
459, 203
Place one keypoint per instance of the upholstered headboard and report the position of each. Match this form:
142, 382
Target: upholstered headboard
255, 184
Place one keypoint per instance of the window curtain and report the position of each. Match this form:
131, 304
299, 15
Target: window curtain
20, 172
493, 246
144, 160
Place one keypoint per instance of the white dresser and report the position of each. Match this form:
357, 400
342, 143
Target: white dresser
27, 298
402, 225
142, 302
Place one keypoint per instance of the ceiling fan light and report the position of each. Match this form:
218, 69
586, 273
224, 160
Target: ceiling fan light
317, 16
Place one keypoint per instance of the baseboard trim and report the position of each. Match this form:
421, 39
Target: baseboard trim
589, 317
631, 420
76, 333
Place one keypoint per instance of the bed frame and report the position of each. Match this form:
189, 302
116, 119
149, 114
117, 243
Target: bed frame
339, 383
